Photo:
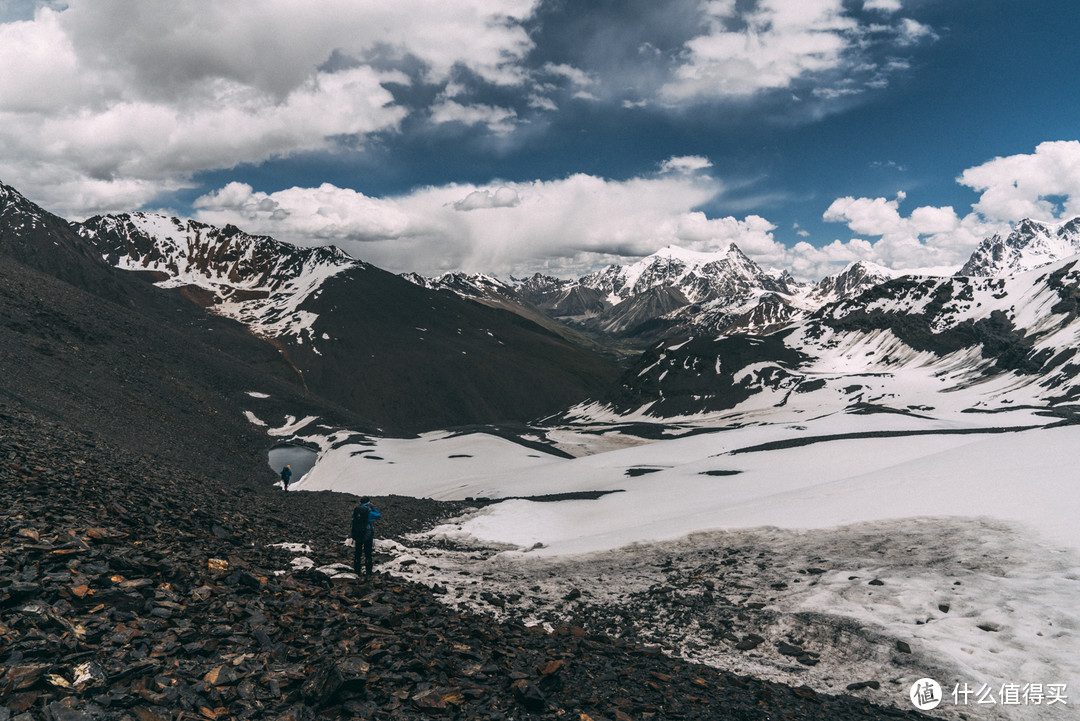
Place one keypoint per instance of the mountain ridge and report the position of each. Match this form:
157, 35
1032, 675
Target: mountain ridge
672, 292
980, 344
1029, 245
406, 357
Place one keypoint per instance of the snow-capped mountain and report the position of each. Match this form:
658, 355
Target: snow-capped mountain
477, 286
562, 298
669, 291
673, 291
1030, 244
848, 283
400, 355
729, 277
980, 344
256, 280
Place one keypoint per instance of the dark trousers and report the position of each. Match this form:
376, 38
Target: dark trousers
362, 553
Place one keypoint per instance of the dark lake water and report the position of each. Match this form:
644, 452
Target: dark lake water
301, 459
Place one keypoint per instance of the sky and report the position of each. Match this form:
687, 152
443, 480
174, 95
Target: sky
521, 136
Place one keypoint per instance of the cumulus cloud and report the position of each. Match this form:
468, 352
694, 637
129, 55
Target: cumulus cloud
1044, 185
778, 43
308, 216
572, 225
113, 103
106, 94
504, 197
568, 225
930, 239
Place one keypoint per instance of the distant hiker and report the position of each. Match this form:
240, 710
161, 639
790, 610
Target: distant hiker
286, 474
363, 534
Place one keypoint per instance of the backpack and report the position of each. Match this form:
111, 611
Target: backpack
360, 522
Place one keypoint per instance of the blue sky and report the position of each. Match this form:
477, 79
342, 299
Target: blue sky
511, 136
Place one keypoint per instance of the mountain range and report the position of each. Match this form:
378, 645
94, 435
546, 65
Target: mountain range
907, 346
147, 363
407, 354
337, 332
671, 292
1029, 245
677, 292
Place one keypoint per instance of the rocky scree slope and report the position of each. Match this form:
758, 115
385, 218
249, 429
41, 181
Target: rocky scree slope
132, 589
141, 368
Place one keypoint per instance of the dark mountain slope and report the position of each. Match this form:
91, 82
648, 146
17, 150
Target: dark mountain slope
38, 239
130, 363
416, 359
495, 294
175, 389
406, 357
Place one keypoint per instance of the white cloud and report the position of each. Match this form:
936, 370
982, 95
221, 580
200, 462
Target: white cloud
781, 42
112, 102
931, 239
910, 32
497, 120
569, 225
541, 103
504, 197
886, 6
685, 164
1043, 186
574, 75
308, 216
572, 225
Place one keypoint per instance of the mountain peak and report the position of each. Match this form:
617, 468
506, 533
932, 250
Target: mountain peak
1030, 244
15, 204
858, 276
694, 256
255, 279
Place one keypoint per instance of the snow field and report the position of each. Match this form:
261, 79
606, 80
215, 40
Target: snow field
981, 523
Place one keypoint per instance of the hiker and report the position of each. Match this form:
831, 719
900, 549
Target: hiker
286, 474
363, 534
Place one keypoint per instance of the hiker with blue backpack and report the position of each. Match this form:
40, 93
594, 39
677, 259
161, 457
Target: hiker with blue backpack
363, 534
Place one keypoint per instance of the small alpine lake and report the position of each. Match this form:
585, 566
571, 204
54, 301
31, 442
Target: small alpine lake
300, 459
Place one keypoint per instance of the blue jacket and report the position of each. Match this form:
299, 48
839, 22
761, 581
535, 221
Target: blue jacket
372, 515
